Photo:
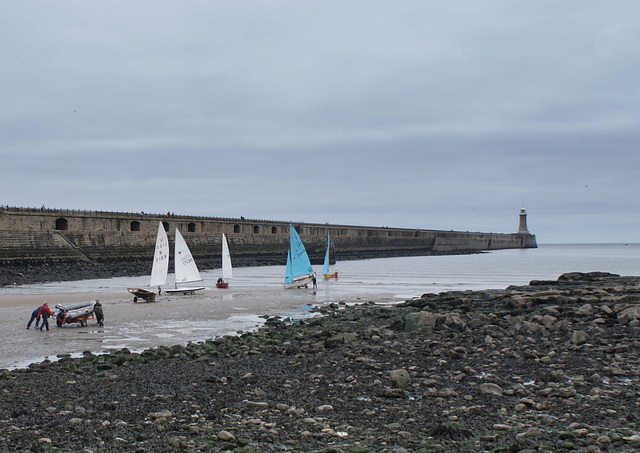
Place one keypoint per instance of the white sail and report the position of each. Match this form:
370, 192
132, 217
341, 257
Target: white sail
186, 269
160, 259
227, 271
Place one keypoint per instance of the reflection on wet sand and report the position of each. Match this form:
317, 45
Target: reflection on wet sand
174, 319
171, 320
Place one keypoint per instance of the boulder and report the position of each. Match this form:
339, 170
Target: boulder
400, 378
626, 315
579, 337
423, 321
490, 389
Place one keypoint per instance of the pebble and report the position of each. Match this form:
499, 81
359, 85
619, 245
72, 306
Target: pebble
490, 389
164, 414
501, 427
258, 404
226, 436
324, 408
400, 378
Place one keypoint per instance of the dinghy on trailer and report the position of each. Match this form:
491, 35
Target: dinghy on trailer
159, 268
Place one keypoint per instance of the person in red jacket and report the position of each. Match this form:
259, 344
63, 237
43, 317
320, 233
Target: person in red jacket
45, 313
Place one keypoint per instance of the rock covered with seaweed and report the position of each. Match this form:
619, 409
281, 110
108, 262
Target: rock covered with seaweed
550, 366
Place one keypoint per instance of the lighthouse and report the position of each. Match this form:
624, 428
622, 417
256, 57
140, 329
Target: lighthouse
522, 224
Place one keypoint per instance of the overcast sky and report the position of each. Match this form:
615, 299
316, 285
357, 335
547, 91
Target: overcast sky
420, 114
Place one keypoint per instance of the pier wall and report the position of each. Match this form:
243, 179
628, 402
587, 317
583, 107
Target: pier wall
38, 235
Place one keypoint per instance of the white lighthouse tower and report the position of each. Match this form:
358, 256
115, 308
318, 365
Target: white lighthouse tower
522, 224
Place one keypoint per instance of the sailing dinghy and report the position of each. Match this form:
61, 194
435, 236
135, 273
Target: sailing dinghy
298, 273
158, 269
325, 266
187, 274
227, 272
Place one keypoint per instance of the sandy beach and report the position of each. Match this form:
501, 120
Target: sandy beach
172, 319
254, 293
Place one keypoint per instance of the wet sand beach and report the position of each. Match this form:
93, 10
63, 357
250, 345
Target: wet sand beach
254, 293
172, 319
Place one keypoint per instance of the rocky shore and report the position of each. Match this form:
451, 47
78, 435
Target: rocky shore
551, 366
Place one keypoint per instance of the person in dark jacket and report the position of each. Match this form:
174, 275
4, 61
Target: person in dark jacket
35, 314
45, 313
97, 309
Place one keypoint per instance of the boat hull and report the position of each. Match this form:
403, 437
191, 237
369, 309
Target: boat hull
184, 291
79, 313
222, 285
139, 293
303, 282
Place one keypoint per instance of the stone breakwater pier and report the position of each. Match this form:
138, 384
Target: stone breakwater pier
44, 237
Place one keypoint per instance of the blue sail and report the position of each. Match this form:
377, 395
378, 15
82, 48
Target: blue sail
300, 264
325, 266
288, 273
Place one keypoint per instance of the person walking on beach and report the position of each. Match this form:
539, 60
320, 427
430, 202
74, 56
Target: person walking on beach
97, 309
35, 314
45, 313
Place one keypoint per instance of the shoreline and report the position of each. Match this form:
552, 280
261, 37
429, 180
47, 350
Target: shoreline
24, 272
549, 366
172, 319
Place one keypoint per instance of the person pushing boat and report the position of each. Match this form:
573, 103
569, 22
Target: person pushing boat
97, 310
45, 312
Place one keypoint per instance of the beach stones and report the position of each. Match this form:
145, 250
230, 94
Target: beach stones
554, 370
399, 378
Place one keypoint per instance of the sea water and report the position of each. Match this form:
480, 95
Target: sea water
409, 277
406, 277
